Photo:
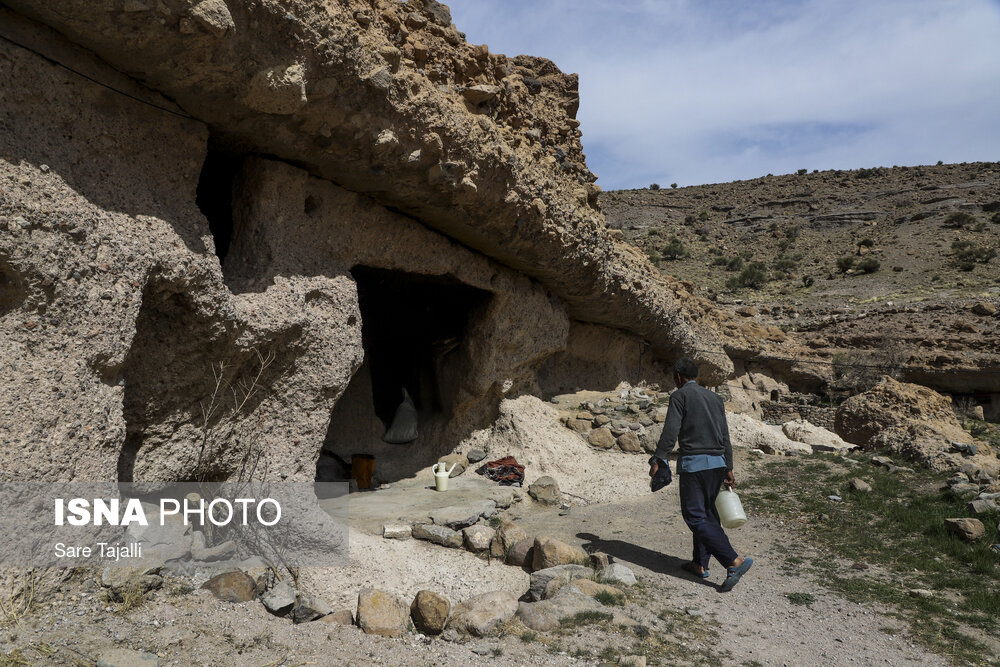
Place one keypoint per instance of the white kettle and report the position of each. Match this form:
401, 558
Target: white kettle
441, 475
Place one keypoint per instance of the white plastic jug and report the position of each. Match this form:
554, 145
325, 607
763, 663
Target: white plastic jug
730, 509
441, 475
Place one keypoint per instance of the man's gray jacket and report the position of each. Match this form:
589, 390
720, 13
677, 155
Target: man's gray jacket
696, 421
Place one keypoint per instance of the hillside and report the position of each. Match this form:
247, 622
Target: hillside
933, 302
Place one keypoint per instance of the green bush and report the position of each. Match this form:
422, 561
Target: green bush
866, 243
995, 219
845, 263
653, 232
720, 261
753, 276
703, 215
808, 281
802, 172
784, 264
869, 265
734, 264
673, 186
654, 186
865, 173
958, 220
967, 254
674, 249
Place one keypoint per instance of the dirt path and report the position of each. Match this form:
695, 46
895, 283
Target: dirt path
757, 622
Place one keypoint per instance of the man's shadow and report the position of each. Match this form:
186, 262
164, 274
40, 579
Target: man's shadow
641, 556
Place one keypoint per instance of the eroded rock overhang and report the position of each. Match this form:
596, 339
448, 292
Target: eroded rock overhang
387, 99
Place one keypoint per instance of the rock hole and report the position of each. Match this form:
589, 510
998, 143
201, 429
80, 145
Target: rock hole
215, 195
310, 205
12, 292
413, 330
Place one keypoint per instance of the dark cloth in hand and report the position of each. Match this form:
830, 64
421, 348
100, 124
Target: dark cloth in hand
662, 477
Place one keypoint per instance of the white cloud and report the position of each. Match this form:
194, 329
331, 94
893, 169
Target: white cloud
709, 91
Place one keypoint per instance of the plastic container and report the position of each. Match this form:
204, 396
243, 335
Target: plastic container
730, 509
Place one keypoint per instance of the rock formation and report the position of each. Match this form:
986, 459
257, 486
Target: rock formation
337, 158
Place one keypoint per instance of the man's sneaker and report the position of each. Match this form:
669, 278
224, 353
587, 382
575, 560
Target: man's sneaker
734, 574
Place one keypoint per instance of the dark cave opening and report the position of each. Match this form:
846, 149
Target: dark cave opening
215, 195
411, 325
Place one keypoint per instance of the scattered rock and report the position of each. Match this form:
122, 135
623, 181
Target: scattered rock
599, 561
339, 617
602, 438
984, 308
477, 95
478, 538
521, 554
123, 582
548, 552
442, 535
860, 485
545, 491
540, 579
921, 593
544, 615
397, 531
632, 661
616, 573
982, 506
120, 657
279, 90
279, 598
460, 462
309, 608
458, 517
475, 455
817, 437
507, 535
214, 16
483, 613
381, 613
232, 587
429, 612
629, 442
967, 529
578, 425
220, 551
591, 588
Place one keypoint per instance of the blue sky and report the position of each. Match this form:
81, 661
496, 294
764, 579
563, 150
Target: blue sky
707, 91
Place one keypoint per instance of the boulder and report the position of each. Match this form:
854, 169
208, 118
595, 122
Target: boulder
482, 614
397, 531
578, 425
507, 535
540, 579
650, 438
122, 657
817, 437
429, 612
629, 442
339, 617
602, 438
860, 485
442, 535
232, 586
460, 461
475, 455
126, 582
504, 496
591, 588
309, 608
969, 530
745, 431
169, 541
522, 553
545, 615
381, 613
279, 598
549, 552
616, 573
545, 490
478, 538
984, 308
982, 506
458, 517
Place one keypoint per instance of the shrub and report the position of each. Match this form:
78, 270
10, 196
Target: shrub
865, 173
995, 219
802, 172
958, 220
992, 207
690, 219
673, 186
967, 254
734, 264
784, 264
845, 263
703, 215
654, 186
866, 243
808, 281
793, 232
720, 261
674, 249
753, 276
869, 265
653, 256
653, 232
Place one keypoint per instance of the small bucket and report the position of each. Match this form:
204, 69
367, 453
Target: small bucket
730, 509
441, 475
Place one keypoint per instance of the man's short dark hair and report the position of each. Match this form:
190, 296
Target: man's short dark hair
686, 368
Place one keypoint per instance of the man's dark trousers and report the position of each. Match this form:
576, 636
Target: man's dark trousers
698, 491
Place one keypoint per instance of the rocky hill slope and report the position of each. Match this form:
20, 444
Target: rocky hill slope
849, 261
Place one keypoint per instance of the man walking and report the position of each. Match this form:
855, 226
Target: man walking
696, 421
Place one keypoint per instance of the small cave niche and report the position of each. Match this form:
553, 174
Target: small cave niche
215, 194
12, 292
413, 330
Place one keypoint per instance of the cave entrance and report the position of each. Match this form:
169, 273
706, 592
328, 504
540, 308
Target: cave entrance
413, 330
215, 194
